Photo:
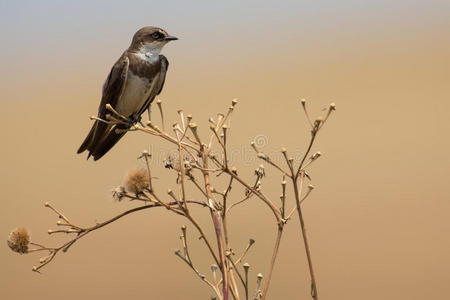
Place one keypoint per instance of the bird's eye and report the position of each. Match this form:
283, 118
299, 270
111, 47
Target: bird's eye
156, 35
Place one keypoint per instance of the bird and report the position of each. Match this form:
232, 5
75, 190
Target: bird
134, 81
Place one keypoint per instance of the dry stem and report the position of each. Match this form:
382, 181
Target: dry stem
200, 160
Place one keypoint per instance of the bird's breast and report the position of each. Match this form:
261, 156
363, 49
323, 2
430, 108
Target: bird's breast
136, 91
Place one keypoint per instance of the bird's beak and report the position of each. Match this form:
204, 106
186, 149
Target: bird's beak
170, 38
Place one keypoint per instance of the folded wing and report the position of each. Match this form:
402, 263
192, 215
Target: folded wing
102, 136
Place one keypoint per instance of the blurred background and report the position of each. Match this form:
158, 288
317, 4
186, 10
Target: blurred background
378, 220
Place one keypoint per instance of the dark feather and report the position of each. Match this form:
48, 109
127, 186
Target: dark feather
88, 140
109, 140
114, 85
164, 68
112, 90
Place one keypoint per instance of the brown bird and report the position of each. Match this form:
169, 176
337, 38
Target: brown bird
133, 83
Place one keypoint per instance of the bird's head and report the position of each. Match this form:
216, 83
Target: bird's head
150, 39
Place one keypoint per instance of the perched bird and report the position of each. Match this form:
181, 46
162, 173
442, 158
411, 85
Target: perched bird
132, 84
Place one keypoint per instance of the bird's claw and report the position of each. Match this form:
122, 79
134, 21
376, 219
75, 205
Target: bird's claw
133, 120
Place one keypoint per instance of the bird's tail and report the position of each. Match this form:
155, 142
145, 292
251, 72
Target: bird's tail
101, 138
89, 139
110, 138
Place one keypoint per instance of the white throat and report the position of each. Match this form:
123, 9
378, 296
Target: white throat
150, 52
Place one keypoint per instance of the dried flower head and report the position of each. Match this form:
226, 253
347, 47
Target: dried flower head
145, 154
316, 155
168, 163
118, 193
173, 162
260, 172
234, 170
136, 181
318, 121
18, 240
261, 155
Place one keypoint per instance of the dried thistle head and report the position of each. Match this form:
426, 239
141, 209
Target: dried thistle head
168, 163
18, 240
118, 193
173, 162
136, 181
260, 171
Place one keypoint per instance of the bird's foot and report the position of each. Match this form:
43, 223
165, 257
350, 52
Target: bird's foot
133, 120
130, 122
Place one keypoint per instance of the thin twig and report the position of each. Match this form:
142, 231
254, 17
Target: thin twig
274, 257
305, 238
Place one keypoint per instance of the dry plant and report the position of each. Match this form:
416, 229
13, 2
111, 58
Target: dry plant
197, 165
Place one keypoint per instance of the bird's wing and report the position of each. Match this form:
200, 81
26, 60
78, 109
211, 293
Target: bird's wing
112, 91
114, 85
162, 74
160, 79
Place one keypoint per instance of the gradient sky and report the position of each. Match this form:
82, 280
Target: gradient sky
53, 36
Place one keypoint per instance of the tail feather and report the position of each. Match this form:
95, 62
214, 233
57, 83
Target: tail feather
89, 138
108, 141
100, 139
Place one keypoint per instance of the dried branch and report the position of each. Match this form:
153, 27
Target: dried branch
194, 158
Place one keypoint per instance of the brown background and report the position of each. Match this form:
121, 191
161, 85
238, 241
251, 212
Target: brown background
378, 218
